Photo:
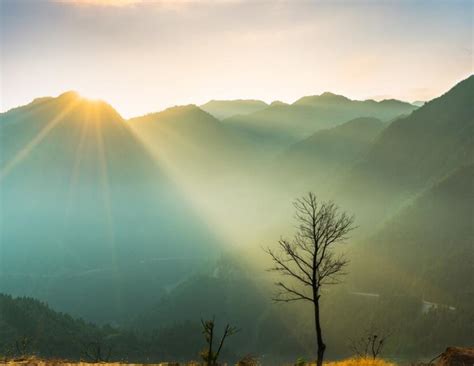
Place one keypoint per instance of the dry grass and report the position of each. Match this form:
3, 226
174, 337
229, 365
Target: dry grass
360, 362
67, 363
36, 362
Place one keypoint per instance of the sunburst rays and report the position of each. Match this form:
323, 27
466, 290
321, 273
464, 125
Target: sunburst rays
35, 141
79, 155
99, 123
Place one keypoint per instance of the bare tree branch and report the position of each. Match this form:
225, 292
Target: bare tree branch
309, 259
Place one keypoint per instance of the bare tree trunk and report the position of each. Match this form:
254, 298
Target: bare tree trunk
210, 358
309, 258
319, 337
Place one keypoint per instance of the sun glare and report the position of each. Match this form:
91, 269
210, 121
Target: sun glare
90, 97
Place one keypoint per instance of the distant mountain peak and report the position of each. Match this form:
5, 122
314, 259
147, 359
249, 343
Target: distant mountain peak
393, 101
70, 95
183, 115
227, 108
278, 103
73, 102
326, 97
247, 101
329, 95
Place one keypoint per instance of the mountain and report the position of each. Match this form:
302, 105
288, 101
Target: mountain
215, 166
192, 138
319, 159
282, 125
86, 211
419, 103
426, 249
30, 327
278, 103
411, 154
227, 108
35, 327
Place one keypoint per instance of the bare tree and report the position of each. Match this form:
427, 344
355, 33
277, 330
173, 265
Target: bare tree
370, 344
208, 330
309, 259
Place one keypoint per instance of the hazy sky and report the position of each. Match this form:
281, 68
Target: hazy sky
143, 56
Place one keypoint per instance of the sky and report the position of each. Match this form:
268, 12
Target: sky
143, 56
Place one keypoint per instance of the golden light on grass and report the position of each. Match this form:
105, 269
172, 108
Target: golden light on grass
349, 362
360, 362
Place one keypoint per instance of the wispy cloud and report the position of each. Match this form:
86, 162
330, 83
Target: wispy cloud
100, 2
119, 3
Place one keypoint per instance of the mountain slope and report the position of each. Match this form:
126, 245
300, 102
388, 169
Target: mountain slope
317, 161
100, 213
194, 139
282, 125
41, 329
227, 108
412, 153
426, 249
29, 327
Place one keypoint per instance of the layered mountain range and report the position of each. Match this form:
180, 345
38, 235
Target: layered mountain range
122, 220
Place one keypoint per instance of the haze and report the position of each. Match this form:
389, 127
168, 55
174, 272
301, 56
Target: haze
143, 56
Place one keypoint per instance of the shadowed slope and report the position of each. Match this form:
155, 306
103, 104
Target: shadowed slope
318, 161
412, 153
427, 248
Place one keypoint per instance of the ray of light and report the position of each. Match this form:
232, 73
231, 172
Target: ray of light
79, 155
103, 169
25, 151
98, 124
168, 164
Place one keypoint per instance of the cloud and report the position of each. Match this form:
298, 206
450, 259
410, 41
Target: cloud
121, 3
100, 2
